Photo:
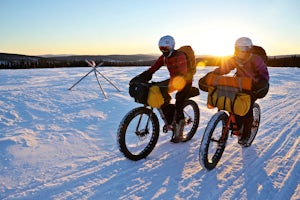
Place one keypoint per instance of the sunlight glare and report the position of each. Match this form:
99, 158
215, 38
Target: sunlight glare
176, 83
202, 63
217, 37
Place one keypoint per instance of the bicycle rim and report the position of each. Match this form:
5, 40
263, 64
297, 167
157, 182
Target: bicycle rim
191, 116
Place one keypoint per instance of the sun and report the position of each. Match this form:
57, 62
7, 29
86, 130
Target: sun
218, 44
214, 44
217, 38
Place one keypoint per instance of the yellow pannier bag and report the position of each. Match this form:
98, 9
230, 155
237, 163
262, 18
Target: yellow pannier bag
155, 98
228, 99
243, 83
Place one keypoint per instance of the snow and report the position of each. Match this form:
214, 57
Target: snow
61, 144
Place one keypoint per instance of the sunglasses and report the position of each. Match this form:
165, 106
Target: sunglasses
242, 48
164, 49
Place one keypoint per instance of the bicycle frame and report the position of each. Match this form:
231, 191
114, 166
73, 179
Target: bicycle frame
165, 129
170, 127
162, 115
231, 122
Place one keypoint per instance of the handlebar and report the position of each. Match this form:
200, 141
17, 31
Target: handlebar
148, 84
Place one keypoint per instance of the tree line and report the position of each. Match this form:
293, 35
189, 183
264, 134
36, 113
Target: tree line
26, 62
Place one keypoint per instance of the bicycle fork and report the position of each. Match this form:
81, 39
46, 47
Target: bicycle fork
144, 131
225, 130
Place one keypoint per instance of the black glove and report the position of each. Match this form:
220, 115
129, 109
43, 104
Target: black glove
143, 77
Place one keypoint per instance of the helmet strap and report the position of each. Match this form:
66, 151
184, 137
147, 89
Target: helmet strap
171, 52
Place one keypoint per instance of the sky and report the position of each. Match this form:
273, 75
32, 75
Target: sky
102, 27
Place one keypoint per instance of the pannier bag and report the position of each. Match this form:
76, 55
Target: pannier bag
155, 98
139, 91
226, 92
146, 94
242, 83
229, 99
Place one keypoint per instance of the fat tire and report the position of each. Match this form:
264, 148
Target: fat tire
207, 141
189, 133
255, 126
122, 132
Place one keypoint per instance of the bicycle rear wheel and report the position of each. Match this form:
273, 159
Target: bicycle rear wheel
213, 141
191, 117
138, 133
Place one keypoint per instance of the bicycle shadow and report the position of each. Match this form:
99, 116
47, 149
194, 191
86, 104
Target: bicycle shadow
257, 183
172, 173
243, 177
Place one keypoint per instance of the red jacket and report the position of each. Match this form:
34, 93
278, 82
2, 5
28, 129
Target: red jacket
176, 64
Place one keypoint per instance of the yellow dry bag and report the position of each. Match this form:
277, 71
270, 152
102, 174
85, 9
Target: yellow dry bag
231, 101
155, 98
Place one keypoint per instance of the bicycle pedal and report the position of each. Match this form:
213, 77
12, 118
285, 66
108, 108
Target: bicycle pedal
255, 124
167, 128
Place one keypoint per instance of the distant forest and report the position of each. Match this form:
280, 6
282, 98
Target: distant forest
16, 61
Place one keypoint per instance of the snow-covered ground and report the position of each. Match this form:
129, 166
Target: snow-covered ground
61, 144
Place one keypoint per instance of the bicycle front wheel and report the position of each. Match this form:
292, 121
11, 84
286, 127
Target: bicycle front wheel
213, 141
138, 133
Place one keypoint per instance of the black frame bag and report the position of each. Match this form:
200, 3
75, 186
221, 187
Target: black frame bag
139, 91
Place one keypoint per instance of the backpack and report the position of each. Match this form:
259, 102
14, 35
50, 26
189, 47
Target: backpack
262, 87
191, 61
258, 50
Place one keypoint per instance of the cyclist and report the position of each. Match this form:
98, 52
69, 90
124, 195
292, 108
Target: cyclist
252, 66
176, 63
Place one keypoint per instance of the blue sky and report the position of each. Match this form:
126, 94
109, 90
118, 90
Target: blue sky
38, 27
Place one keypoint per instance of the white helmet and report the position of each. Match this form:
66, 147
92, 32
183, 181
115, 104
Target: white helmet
243, 42
166, 45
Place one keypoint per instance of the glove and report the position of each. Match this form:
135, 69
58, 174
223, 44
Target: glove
143, 77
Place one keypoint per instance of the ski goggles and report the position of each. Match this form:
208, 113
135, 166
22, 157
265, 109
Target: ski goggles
242, 48
164, 49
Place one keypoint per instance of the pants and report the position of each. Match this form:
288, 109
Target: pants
246, 121
261, 89
169, 109
180, 97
